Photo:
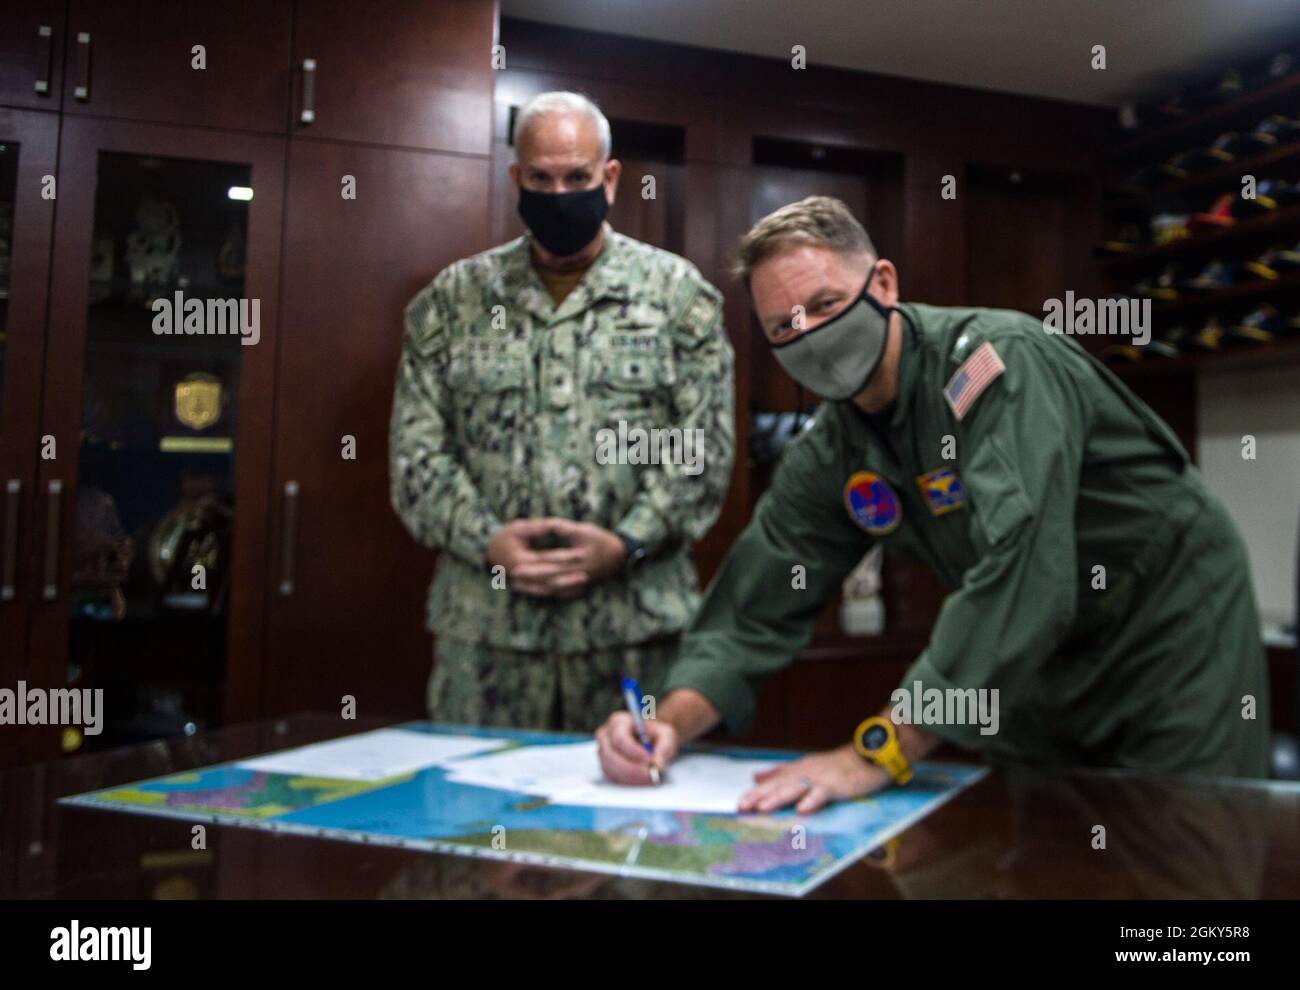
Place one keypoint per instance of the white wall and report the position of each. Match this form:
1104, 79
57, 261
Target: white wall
1262, 495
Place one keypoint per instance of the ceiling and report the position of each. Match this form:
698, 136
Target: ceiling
1035, 47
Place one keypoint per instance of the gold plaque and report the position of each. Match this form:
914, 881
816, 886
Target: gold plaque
198, 400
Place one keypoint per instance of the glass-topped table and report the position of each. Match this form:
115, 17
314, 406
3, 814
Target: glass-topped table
1017, 833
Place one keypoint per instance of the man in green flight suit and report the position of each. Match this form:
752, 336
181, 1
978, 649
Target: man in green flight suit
534, 381
1102, 595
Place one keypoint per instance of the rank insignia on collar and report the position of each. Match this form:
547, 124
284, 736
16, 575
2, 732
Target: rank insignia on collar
942, 490
871, 503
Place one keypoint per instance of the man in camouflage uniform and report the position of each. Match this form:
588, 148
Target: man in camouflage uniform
559, 573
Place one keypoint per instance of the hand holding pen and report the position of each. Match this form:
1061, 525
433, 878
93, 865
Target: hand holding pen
632, 698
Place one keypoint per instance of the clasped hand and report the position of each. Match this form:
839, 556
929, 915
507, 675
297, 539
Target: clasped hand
590, 553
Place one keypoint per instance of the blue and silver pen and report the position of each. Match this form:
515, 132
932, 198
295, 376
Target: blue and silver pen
632, 698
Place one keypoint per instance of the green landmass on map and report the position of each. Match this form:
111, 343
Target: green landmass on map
604, 847
275, 794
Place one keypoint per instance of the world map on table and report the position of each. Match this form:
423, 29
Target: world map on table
451, 793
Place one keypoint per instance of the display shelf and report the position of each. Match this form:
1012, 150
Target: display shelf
1275, 222
1235, 357
1281, 93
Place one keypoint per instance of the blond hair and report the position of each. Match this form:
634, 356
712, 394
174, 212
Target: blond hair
820, 220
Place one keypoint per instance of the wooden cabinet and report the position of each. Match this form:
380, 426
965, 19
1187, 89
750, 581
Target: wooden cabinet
149, 552
28, 143
138, 59
395, 72
145, 546
31, 53
348, 589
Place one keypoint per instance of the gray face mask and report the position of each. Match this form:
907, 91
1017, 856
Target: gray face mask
835, 359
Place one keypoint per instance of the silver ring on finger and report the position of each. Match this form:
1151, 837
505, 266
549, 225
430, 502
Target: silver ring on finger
807, 783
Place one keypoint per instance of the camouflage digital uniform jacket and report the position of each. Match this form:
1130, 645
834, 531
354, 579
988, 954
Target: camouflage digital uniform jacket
499, 401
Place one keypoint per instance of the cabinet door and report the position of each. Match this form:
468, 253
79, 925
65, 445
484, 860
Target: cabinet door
151, 504
31, 53
348, 593
397, 72
137, 59
28, 143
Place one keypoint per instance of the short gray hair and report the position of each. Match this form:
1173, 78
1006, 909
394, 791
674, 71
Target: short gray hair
563, 101
820, 220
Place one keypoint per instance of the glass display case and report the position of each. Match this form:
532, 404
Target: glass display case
28, 151
154, 502
147, 555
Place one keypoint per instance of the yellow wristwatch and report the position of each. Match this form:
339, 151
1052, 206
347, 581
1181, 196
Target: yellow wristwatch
877, 740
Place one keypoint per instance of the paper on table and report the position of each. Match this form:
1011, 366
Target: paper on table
532, 769
570, 774
371, 755
697, 782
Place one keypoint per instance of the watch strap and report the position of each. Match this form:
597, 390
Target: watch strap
635, 552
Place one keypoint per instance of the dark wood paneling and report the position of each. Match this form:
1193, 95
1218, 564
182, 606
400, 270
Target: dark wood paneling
716, 214
753, 95
1015, 246
141, 61
656, 221
1173, 397
354, 623
26, 56
933, 264
620, 100
397, 72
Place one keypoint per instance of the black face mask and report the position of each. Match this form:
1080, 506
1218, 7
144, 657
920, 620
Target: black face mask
564, 223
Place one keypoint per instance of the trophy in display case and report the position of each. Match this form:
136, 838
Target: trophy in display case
153, 248
189, 549
196, 414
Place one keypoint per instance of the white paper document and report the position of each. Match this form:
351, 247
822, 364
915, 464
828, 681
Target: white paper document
570, 774
543, 770
371, 755
697, 782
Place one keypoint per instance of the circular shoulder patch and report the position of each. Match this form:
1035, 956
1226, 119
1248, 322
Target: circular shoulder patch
871, 503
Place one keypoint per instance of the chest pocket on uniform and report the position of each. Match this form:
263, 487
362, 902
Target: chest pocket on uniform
488, 387
488, 369
632, 378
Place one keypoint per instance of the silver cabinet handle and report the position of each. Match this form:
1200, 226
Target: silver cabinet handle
45, 56
54, 494
288, 537
82, 89
308, 113
9, 560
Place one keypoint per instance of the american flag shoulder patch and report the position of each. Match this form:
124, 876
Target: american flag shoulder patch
977, 373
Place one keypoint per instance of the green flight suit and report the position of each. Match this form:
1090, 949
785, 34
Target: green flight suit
1060, 472
501, 403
